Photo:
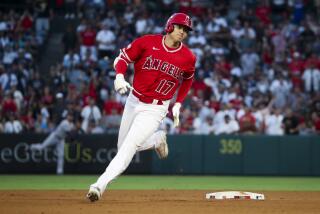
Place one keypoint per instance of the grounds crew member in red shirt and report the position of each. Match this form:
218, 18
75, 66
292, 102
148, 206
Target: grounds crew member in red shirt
163, 65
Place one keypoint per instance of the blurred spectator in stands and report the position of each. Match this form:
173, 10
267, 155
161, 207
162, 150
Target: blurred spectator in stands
111, 121
290, 122
60, 106
4, 25
199, 86
36, 81
1, 127
73, 107
236, 70
311, 78
90, 112
315, 122
9, 55
112, 104
41, 124
71, 59
279, 45
223, 67
205, 110
26, 21
8, 105
78, 123
278, 6
247, 122
12, 124
296, 69
203, 126
263, 12
225, 109
142, 25
18, 97
198, 51
298, 11
30, 98
70, 9
106, 42
88, 41
280, 89
77, 76
82, 27
94, 128
228, 126
7, 80
262, 84
216, 50
297, 100
273, 122
217, 84
244, 43
237, 31
4, 39
197, 39
44, 111
306, 38
249, 61
69, 39
305, 128
28, 121
187, 117
46, 96
89, 60
42, 15
315, 102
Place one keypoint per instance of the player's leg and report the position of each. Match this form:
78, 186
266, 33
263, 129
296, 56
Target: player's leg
49, 141
144, 124
157, 141
127, 118
60, 157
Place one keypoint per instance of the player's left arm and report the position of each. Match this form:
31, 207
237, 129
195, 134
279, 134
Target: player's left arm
183, 91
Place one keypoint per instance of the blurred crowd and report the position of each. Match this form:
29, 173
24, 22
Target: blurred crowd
257, 70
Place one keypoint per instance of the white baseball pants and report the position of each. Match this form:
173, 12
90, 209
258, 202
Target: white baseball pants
137, 132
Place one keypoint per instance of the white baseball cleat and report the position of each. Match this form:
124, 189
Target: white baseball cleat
94, 194
162, 148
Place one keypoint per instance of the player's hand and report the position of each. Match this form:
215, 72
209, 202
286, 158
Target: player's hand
176, 112
121, 85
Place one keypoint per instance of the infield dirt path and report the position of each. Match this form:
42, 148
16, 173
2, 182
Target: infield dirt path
153, 202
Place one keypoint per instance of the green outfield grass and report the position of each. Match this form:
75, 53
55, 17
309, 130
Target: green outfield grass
82, 182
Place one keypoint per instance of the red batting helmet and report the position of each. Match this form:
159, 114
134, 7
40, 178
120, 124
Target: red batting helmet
180, 19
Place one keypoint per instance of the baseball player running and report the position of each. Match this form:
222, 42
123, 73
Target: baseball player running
57, 138
162, 66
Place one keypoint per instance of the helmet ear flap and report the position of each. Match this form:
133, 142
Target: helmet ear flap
170, 28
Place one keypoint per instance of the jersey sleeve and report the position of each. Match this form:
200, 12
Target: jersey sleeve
189, 73
133, 50
188, 77
128, 55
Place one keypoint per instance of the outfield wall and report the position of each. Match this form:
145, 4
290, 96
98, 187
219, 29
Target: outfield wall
188, 154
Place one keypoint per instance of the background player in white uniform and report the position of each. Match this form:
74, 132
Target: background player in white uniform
57, 138
163, 65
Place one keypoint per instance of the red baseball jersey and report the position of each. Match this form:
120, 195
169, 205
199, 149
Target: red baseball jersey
158, 69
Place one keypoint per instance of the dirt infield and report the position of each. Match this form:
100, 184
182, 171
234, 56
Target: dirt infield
153, 202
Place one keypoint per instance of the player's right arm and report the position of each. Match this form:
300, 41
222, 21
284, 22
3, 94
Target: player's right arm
127, 55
